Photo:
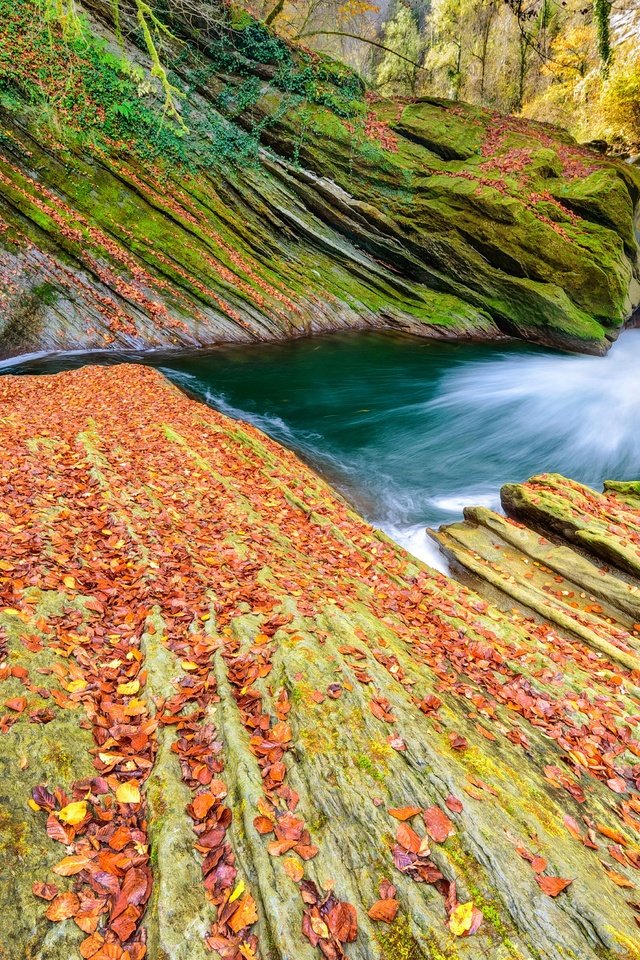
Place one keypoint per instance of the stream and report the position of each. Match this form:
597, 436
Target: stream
410, 430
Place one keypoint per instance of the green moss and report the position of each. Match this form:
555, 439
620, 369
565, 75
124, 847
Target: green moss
398, 943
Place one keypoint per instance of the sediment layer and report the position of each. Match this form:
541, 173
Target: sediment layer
239, 722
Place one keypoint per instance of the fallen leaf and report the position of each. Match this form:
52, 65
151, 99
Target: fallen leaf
73, 813
438, 825
245, 915
45, 890
465, 919
64, 906
294, 869
404, 813
71, 865
384, 910
552, 886
342, 922
128, 792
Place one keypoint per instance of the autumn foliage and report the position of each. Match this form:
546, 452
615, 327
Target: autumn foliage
366, 747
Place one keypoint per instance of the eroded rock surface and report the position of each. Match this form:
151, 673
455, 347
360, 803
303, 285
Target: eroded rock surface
239, 722
294, 202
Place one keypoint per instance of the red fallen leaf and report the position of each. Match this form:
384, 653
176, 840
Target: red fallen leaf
342, 921
64, 906
43, 797
381, 709
263, 825
572, 826
88, 915
430, 703
617, 784
404, 813
334, 690
277, 847
317, 697
89, 947
409, 839
278, 771
201, 805
454, 804
539, 864
438, 825
458, 742
245, 915
113, 951
120, 838
289, 827
552, 886
134, 891
280, 732
125, 924
384, 910
62, 832
45, 890
18, 704
485, 733
306, 850
618, 854
397, 743
218, 788
387, 890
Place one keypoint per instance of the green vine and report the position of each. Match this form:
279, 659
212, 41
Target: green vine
601, 14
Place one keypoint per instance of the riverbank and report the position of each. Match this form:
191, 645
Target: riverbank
412, 431
246, 714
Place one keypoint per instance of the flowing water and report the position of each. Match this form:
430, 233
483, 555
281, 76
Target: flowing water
412, 431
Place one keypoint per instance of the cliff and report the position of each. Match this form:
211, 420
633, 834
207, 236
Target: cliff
287, 201
238, 722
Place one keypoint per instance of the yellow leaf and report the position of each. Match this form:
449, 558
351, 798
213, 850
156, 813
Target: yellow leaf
5, 565
33, 805
239, 890
188, 665
73, 813
128, 689
128, 792
135, 708
461, 919
69, 582
76, 685
111, 757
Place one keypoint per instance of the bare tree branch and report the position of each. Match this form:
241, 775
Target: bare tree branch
355, 36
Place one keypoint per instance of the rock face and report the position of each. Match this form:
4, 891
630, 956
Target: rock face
293, 203
238, 722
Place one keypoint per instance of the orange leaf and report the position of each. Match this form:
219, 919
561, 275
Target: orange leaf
245, 915
293, 869
552, 886
71, 865
404, 813
201, 805
438, 825
64, 906
384, 910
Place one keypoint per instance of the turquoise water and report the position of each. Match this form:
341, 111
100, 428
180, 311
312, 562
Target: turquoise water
410, 430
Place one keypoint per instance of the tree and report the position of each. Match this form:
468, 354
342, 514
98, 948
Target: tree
401, 35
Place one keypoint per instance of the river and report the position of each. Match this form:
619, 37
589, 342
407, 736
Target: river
410, 430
